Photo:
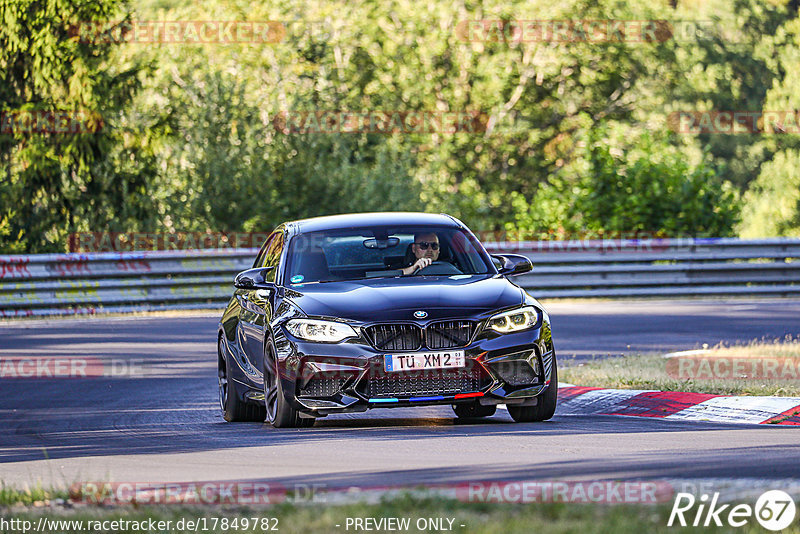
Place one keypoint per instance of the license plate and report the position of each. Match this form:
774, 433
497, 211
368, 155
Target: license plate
417, 361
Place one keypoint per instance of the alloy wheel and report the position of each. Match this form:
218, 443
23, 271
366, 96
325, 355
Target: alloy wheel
270, 387
222, 378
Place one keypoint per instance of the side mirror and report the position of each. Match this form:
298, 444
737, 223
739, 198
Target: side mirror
253, 279
513, 264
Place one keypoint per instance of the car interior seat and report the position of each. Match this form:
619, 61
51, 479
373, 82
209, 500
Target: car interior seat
313, 266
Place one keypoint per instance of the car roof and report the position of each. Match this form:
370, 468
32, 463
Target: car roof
356, 220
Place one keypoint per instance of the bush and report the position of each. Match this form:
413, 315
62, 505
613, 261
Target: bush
647, 187
772, 205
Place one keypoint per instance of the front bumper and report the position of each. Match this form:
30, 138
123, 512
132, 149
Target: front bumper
321, 379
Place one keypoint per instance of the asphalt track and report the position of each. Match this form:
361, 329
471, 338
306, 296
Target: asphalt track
163, 425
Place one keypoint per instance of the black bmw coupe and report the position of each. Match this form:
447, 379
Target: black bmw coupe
379, 310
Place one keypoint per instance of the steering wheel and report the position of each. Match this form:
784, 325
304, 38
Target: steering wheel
438, 268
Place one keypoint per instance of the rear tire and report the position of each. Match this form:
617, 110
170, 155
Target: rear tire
234, 409
279, 413
546, 406
473, 410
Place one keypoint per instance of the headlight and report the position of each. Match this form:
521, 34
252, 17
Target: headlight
321, 331
514, 320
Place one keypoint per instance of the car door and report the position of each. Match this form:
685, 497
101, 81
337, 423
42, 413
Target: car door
257, 309
247, 325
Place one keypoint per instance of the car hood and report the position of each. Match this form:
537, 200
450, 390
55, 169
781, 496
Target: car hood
396, 299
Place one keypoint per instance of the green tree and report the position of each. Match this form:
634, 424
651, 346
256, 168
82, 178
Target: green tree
57, 182
731, 67
772, 204
189, 142
646, 187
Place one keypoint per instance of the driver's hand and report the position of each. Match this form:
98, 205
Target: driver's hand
418, 265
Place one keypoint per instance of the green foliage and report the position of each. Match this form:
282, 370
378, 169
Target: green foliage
189, 144
640, 186
772, 206
731, 68
231, 169
10, 496
57, 181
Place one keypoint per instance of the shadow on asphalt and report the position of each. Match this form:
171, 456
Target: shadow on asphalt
105, 417
717, 464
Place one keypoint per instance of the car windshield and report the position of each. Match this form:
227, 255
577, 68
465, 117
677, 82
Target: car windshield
374, 252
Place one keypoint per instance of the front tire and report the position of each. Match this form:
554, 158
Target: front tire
279, 413
234, 409
306, 422
546, 406
473, 410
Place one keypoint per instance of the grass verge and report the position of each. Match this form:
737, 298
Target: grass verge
758, 368
476, 518
36, 496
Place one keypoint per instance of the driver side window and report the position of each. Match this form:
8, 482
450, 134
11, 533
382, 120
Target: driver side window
272, 257
262, 253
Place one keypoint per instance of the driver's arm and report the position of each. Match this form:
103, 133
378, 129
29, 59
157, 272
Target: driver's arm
417, 265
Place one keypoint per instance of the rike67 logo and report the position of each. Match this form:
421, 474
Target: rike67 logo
774, 510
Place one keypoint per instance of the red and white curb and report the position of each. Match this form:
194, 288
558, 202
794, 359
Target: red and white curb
576, 400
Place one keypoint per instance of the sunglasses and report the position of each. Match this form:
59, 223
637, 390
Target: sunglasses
423, 245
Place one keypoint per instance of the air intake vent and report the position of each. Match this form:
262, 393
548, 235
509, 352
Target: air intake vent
433, 382
405, 337
449, 334
395, 337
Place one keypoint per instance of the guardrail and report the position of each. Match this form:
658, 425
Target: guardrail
660, 267
61, 284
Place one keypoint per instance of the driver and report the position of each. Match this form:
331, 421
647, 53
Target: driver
426, 250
